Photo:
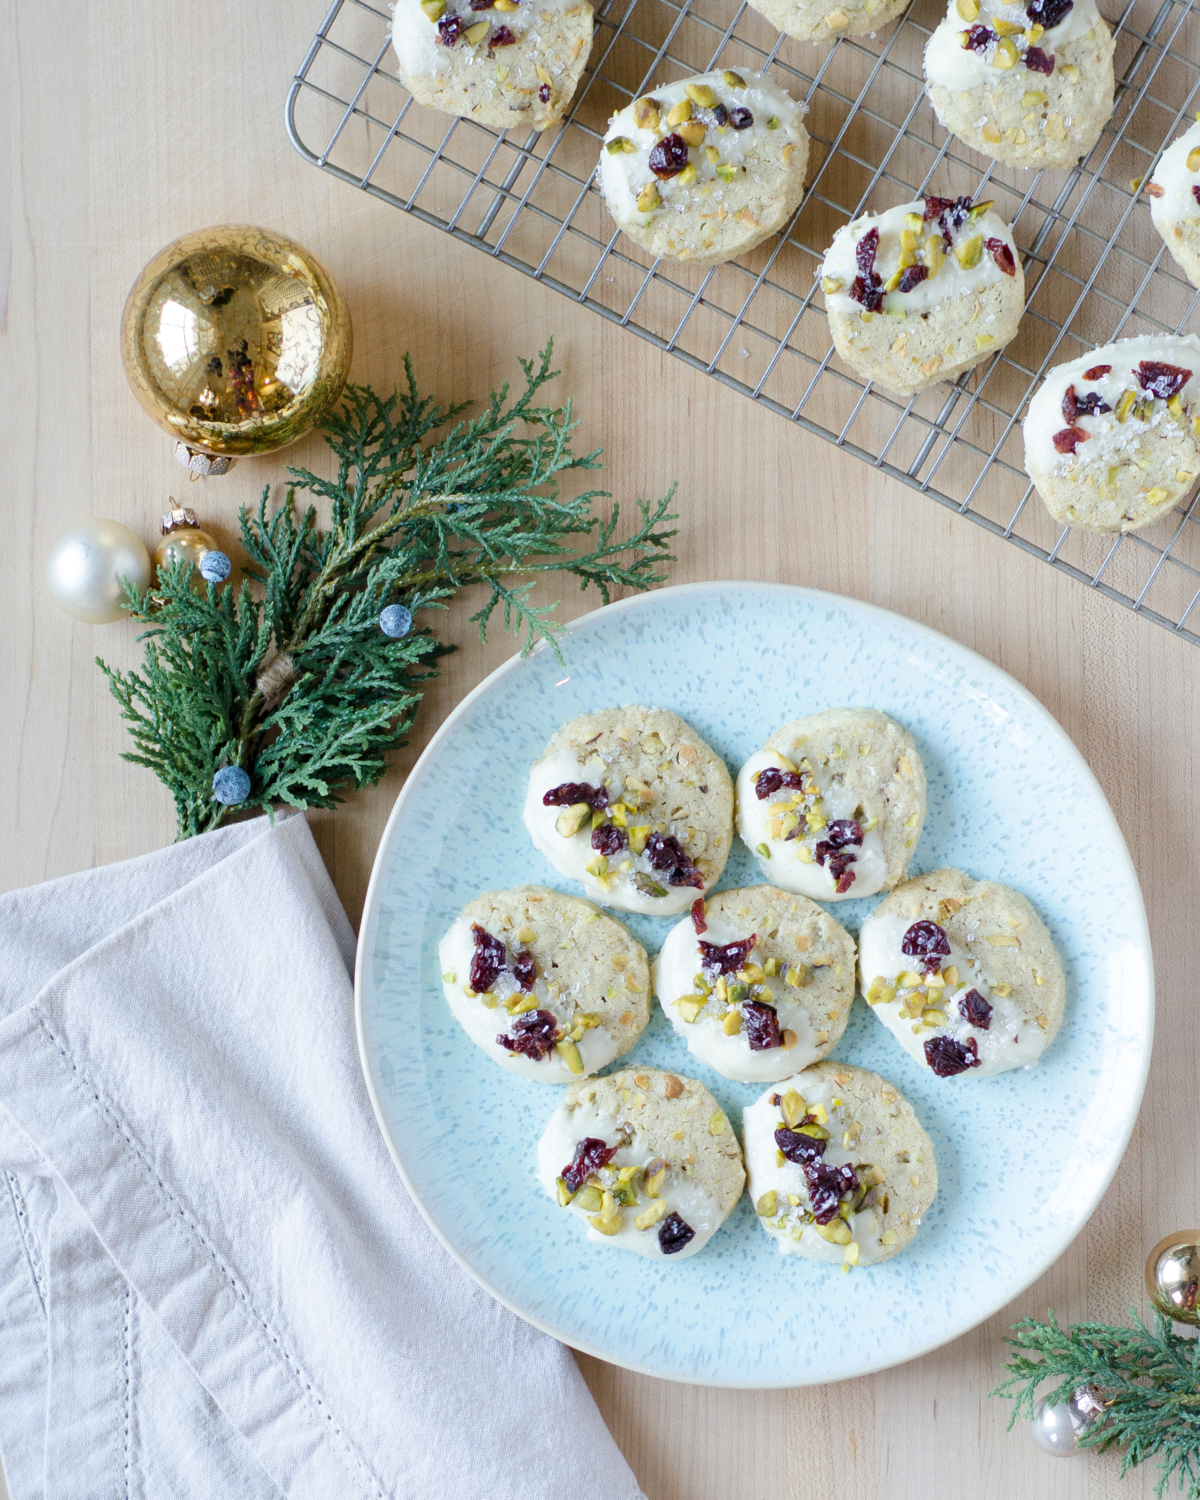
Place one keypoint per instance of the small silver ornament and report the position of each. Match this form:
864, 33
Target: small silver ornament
85, 570
1057, 1429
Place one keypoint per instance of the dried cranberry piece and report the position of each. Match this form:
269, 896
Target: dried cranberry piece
826, 1186
1069, 439
571, 793
669, 157
912, 276
978, 38
936, 207
1091, 404
1003, 256
770, 781
481, 4
698, 921
1163, 381
448, 30
802, 1149
727, 958
1038, 61
674, 1233
501, 37
867, 287
533, 1035
927, 942
524, 970
1047, 13
870, 296
975, 1009
762, 1026
590, 1155
741, 118
947, 1057
607, 839
544, 93
839, 865
720, 115
1097, 372
843, 831
1196, 192
489, 960
667, 857
865, 252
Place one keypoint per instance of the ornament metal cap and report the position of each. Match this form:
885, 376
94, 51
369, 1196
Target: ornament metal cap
202, 465
1173, 1276
179, 519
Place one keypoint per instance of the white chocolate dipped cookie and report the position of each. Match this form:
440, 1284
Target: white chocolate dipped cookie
759, 983
1111, 438
647, 1160
1030, 84
514, 63
923, 291
820, 21
963, 974
706, 168
1174, 192
547, 985
833, 804
635, 806
838, 1166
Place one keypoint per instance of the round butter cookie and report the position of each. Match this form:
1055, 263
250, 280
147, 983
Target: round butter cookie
1028, 84
647, 1160
922, 292
963, 974
1174, 191
758, 982
1111, 438
833, 804
515, 63
547, 985
838, 1165
706, 168
819, 21
635, 806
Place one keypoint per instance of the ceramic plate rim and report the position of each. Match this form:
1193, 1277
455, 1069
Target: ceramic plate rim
1137, 918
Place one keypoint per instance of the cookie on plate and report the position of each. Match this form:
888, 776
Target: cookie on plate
1030, 85
635, 806
838, 1165
1174, 191
515, 63
820, 21
963, 974
759, 983
647, 1160
1110, 437
946, 273
833, 804
706, 168
544, 983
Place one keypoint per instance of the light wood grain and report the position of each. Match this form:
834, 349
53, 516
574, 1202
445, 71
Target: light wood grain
129, 123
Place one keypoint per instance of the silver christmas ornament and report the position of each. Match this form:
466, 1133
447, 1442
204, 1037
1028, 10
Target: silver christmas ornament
1057, 1429
85, 570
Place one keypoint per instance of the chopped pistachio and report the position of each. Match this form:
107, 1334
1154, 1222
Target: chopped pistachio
888, 1237
733, 80
968, 9
718, 1124
968, 251
690, 1006
589, 1198
433, 8
1031, 98
475, 34
990, 132
763, 849
732, 1023
1158, 495
608, 1220
766, 1205
793, 1108
656, 1170
645, 114
647, 885
701, 94
712, 154
837, 1231
680, 112
1006, 54
619, 145
687, 176
652, 1215
773, 123
571, 819
1193, 160
640, 832
727, 171
1124, 406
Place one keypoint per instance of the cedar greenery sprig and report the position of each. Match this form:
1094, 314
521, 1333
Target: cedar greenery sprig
289, 676
1151, 1378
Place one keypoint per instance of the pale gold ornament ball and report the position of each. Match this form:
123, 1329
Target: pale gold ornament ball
236, 340
87, 567
1173, 1276
183, 541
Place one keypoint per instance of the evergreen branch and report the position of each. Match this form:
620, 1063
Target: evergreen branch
290, 676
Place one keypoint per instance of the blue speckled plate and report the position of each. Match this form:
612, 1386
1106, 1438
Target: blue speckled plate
1022, 1159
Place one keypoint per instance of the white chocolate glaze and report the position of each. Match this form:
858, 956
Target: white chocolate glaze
1009, 1041
953, 66
675, 972
1109, 440
556, 1150
483, 1023
790, 1226
949, 281
623, 174
420, 53
1177, 202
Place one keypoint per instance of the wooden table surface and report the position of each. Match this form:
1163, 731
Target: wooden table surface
130, 123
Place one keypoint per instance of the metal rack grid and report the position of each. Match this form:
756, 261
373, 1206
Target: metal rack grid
1095, 268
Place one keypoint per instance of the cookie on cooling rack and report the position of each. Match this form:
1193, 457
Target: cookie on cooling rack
1028, 84
963, 974
706, 168
838, 1165
923, 291
833, 804
544, 983
1111, 438
821, 21
757, 982
1174, 192
647, 1160
514, 63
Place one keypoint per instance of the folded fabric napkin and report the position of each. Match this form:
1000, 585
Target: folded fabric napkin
212, 1281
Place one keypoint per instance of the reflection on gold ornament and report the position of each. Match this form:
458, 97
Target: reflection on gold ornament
236, 340
1173, 1276
183, 542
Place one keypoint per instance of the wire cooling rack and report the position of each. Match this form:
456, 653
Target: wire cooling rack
1095, 268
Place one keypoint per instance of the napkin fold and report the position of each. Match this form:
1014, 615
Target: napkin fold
212, 1280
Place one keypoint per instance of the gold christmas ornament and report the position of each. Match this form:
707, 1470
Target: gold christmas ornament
236, 341
85, 570
1173, 1276
183, 540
